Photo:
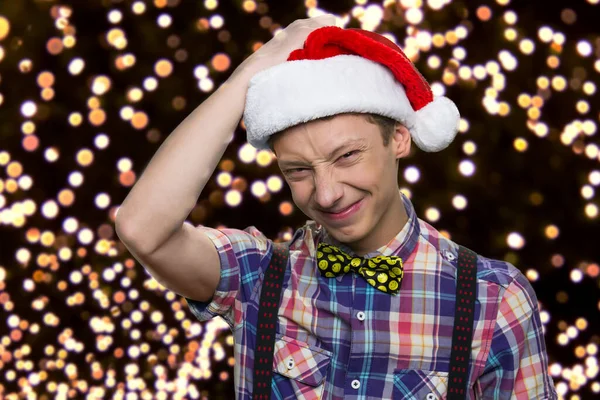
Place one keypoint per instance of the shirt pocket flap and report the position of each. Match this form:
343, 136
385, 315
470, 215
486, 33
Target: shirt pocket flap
301, 362
419, 384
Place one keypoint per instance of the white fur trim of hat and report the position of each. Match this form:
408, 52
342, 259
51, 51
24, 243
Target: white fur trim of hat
370, 75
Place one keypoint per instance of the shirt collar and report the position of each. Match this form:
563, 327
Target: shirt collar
402, 245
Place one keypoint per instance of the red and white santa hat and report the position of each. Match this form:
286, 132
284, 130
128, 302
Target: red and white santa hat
347, 70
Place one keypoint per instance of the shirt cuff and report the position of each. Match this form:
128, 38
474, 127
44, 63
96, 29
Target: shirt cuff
223, 301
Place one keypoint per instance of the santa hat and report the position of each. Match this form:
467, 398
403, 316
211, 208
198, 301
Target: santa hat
347, 70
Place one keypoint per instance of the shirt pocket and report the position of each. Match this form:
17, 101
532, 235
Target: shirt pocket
419, 384
299, 370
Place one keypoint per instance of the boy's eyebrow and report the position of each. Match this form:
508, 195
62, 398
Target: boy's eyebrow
354, 142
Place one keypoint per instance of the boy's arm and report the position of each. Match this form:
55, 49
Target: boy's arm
150, 222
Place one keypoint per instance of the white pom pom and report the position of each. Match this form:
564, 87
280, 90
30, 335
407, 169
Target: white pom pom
436, 125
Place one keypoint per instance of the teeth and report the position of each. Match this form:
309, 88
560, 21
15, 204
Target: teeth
345, 209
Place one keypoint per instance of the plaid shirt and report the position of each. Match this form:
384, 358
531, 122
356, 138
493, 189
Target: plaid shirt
341, 338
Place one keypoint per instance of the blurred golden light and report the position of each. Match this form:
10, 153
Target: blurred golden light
520, 144
116, 38
249, 6
4, 27
286, 208
139, 120
591, 210
515, 240
551, 231
484, 13
220, 62
54, 46
100, 85
163, 68
432, 214
85, 157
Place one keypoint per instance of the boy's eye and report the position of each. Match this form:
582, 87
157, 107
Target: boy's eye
349, 154
292, 171
344, 156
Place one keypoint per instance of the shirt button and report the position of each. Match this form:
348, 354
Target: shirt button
355, 384
360, 315
431, 396
290, 363
449, 257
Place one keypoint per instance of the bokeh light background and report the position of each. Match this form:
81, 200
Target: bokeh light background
89, 90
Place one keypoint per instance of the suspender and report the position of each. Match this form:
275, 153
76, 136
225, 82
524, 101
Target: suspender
462, 333
267, 319
461, 336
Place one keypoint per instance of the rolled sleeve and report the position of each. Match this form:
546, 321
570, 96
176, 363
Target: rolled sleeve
241, 255
517, 364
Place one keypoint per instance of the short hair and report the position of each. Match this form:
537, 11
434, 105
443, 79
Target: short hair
386, 126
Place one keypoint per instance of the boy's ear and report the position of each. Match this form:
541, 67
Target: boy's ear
401, 141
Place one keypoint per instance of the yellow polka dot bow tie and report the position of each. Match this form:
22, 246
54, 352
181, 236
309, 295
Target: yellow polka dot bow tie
382, 272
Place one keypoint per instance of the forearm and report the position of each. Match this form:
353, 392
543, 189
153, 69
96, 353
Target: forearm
169, 187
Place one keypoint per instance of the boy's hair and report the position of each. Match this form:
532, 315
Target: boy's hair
386, 126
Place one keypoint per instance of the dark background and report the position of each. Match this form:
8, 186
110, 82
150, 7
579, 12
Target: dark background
47, 312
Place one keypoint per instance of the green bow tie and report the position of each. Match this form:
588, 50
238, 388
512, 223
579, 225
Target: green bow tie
382, 272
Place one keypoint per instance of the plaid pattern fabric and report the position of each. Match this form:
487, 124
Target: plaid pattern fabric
342, 338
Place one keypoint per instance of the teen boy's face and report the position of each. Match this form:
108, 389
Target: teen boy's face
335, 164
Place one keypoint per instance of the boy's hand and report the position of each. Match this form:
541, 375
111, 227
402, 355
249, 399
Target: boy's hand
277, 50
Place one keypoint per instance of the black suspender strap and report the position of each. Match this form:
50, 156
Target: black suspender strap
462, 334
268, 308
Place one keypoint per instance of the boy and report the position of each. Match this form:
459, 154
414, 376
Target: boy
369, 293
